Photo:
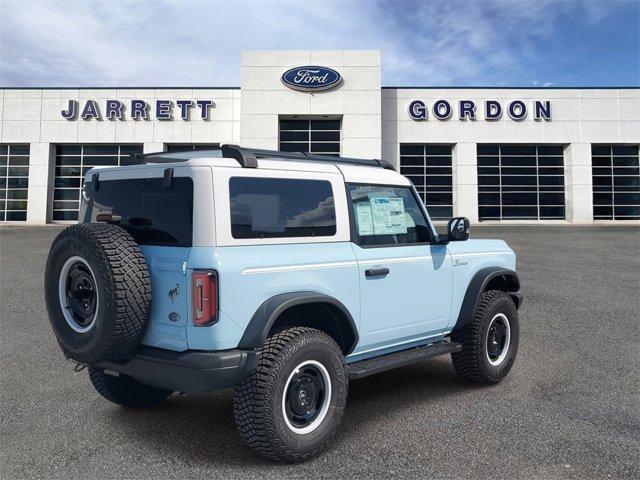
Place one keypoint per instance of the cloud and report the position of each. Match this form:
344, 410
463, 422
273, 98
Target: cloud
196, 43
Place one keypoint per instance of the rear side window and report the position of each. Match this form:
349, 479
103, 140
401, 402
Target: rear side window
153, 215
279, 207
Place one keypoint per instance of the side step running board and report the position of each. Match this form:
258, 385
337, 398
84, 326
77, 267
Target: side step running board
367, 367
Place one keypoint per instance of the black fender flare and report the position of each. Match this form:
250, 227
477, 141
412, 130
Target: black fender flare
266, 315
478, 285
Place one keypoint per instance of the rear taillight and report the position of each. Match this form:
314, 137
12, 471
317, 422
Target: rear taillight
204, 287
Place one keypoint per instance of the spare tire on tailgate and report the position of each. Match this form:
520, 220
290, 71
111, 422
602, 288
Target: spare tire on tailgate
98, 292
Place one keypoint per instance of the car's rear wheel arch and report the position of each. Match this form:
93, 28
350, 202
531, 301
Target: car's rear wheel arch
302, 309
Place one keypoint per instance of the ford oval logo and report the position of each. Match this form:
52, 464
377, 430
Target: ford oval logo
311, 78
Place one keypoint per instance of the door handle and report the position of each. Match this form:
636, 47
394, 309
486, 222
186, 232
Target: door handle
376, 272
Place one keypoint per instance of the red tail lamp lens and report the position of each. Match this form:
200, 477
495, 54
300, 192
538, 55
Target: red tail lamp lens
204, 287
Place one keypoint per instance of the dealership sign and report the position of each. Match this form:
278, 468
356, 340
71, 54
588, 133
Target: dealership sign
491, 110
137, 109
311, 78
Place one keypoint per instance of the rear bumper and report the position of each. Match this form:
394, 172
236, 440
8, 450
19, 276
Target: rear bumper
187, 372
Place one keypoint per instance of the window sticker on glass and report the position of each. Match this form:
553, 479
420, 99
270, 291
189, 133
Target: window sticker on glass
364, 219
388, 215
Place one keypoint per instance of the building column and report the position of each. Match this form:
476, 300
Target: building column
465, 181
42, 159
578, 183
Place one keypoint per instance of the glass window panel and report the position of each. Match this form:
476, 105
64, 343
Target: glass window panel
489, 198
18, 172
68, 171
411, 170
294, 147
551, 180
518, 161
325, 124
66, 161
626, 181
551, 171
520, 212
412, 150
3, 182
489, 213
551, 198
16, 205
488, 170
16, 216
488, 161
325, 147
438, 198
18, 149
99, 150
517, 150
624, 150
4, 149
294, 136
411, 161
66, 205
556, 212
418, 181
489, 180
17, 182
67, 182
550, 150
629, 211
616, 171
601, 150
65, 215
625, 161
3, 160
438, 171
294, 125
18, 161
325, 136
16, 194
438, 149
550, 161
135, 149
519, 198
602, 212
438, 161
518, 170
3, 193
488, 149
66, 194
102, 161
627, 198
440, 213
518, 180
68, 149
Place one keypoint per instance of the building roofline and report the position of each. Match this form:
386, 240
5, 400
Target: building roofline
119, 88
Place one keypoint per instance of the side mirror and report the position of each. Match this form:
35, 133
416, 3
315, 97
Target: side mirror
458, 229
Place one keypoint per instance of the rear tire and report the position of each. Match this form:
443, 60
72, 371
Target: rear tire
289, 407
126, 391
490, 341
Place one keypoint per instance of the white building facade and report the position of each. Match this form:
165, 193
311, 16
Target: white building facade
506, 155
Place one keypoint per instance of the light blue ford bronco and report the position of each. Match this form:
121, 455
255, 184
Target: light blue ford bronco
282, 275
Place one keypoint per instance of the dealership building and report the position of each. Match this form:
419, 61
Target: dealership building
509, 155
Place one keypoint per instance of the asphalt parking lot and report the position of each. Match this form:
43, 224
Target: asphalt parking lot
570, 407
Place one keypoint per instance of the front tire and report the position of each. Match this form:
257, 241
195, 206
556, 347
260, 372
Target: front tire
126, 391
490, 341
289, 407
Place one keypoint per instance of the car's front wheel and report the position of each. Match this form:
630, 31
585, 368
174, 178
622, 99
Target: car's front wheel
490, 341
290, 406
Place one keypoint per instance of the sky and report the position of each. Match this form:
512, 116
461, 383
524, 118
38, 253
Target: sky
176, 43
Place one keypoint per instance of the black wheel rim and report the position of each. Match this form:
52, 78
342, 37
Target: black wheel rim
81, 294
496, 339
305, 396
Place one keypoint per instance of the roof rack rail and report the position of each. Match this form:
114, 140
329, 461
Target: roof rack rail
248, 157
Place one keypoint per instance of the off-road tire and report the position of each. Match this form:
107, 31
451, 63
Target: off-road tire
126, 391
258, 399
472, 363
123, 290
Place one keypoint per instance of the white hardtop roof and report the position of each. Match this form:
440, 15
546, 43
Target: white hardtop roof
351, 173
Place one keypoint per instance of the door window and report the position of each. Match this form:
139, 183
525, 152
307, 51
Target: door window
386, 215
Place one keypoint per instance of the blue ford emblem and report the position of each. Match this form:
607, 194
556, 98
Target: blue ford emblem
311, 78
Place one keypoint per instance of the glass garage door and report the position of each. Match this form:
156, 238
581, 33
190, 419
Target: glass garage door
73, 162
320, 137
429, 168
521, 182
14, 182
616, 182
